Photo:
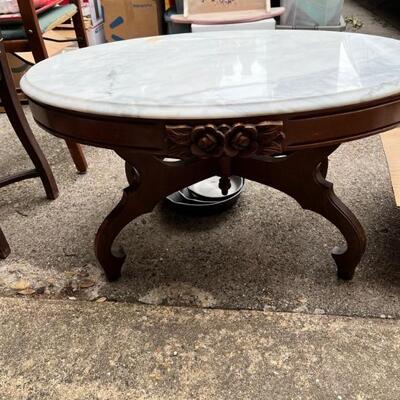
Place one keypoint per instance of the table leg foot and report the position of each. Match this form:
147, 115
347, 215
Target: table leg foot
301, 175
150, 180
132, 205
108, 231
335, 211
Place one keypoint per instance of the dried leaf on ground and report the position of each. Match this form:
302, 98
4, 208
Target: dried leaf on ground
20, 285
101, 300
27, 292
86, 283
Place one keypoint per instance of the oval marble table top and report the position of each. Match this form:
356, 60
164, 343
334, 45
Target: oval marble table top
219, 74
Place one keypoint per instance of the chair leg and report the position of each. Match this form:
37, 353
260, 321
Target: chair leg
75, 149
4, 247
79, 26
77, 155
20, 124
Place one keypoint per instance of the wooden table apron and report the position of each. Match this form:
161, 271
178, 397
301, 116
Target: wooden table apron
305, 140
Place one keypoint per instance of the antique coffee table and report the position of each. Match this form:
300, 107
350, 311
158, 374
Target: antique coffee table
269, 106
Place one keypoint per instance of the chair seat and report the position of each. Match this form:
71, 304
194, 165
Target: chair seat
47, 21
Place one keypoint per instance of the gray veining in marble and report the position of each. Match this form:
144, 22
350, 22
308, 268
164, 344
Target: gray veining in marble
220, 74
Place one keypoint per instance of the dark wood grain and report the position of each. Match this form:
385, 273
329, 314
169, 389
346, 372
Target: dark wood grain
4, 247
302, 130
24, 133
13, 109
34, 43
150, 180
301, 175
299, 168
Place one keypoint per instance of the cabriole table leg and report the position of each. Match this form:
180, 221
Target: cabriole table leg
301, 175
150, 180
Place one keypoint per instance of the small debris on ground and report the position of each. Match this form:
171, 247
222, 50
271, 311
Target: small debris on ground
86, 283
41, 290
355, 22
27, 292
101, 300
20, 285
83, 274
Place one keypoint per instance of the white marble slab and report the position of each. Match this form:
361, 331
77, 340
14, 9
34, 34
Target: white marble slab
220, 74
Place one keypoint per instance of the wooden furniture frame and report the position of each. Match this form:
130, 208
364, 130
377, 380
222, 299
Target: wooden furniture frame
35, 43
289, 153
4, 247
12, 106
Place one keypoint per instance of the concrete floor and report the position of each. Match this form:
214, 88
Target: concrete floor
75, 351
264, 254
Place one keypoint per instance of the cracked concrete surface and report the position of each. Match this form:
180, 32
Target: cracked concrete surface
110, 351
265, 253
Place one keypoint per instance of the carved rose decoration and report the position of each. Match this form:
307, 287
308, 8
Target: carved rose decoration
239, 140
207, 141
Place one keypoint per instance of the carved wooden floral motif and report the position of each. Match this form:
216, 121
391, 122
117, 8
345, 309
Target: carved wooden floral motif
239, 140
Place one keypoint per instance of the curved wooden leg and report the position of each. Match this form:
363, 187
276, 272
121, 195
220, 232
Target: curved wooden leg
4, 247
301, 176
130, 207
12, 106
150, 181
77, 156
324, 166
35, 153
335, 211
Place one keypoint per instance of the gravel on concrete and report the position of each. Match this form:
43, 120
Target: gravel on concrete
70, 351
265, 253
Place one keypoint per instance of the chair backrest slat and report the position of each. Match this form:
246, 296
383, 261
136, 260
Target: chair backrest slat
32, 28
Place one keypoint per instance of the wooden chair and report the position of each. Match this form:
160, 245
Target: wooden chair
13, 108
27, 36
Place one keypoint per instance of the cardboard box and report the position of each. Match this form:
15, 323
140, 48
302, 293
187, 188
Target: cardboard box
127, 19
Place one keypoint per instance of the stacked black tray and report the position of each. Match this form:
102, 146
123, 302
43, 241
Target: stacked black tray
205, 197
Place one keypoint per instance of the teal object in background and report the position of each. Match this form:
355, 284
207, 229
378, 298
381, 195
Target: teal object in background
46, 22
310, 13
